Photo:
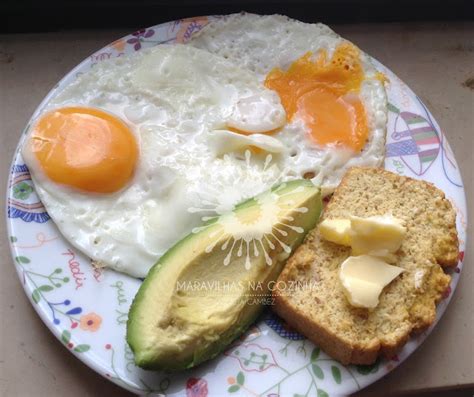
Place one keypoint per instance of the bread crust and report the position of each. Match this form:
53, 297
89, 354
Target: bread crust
338, 349
422, 313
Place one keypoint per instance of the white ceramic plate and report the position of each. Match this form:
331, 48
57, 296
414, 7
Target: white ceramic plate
87, 309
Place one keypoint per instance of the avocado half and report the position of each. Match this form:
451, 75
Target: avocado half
208, 288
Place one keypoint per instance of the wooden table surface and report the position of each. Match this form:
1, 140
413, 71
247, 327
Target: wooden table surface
435, 59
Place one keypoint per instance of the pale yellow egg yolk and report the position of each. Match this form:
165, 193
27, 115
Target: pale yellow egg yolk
85, 148
324, 94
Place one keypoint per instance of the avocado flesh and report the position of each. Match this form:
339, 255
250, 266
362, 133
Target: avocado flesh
197, 298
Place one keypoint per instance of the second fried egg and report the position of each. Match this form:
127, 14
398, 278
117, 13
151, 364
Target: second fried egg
334, 97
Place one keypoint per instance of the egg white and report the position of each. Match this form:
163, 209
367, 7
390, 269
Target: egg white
182, 103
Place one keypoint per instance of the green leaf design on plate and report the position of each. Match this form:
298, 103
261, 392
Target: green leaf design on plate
392, 108
336, 374
66, 336
315, 354
318, 371
368, 369
233, 388
164, 384
45, 288
322, 393
240, 378
22, 259
22, 191
36, 296
13, 239
81, 348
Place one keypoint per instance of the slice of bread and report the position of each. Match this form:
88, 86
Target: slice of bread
316, 305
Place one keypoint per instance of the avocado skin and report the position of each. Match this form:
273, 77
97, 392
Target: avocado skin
212, 351
146, 359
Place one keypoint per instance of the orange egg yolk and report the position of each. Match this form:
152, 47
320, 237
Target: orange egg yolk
85, 148
324, 95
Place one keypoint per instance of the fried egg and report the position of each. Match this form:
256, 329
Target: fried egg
127, 157
139, 150
334, 98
